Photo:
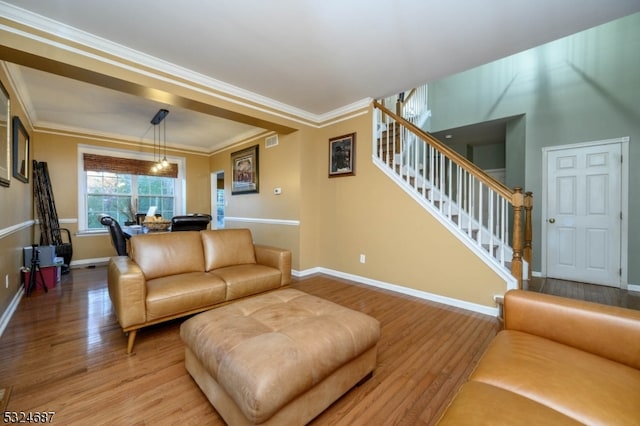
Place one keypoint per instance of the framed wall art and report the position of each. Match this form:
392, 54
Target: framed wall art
5, 138
342, 155
244, 168
20, 151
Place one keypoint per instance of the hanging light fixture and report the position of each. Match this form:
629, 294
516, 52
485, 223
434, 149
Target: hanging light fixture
159, 164
154, 168
164, 162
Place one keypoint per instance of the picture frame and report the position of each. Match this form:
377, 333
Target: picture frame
20, 151
5, 137
342, 155
245, 171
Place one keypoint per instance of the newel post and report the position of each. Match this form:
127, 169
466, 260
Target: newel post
517, 200
528, 231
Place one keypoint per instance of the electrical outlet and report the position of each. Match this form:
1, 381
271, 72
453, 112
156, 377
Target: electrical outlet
363, 258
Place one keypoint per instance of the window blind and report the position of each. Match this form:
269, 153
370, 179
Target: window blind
103, 163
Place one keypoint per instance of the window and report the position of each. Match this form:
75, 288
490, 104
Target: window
156, 191
121, 196
220, 208
115, 182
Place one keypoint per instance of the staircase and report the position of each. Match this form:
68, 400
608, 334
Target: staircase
493, 220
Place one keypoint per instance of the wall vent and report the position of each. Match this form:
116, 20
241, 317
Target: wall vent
271, 141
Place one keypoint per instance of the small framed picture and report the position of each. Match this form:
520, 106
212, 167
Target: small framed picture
342, 155
244, 167
20, 151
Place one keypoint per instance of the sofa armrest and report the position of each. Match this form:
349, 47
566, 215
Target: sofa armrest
276, 258
607, 331
127, 290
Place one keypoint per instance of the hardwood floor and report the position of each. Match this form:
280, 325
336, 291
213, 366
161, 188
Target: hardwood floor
64, 352
589, 292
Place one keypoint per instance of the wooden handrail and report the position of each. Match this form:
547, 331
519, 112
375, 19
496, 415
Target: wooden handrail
477, 172
522, 203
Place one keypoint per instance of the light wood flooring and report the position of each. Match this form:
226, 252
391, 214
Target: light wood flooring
63, 352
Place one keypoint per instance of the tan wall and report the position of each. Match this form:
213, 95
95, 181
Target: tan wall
279, 167
15, 216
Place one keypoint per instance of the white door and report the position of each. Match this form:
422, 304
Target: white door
584, 210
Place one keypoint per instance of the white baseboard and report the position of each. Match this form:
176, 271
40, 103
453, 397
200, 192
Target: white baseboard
486, 310
11, 309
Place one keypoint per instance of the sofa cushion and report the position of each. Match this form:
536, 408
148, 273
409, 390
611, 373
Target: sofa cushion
182, 293
243, 280
592, 327
167, 253
227, 247
580, 385
481, 404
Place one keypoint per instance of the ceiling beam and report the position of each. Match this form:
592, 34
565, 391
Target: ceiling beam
92, 77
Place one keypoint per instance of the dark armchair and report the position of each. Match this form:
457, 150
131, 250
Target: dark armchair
190, 222
118, 236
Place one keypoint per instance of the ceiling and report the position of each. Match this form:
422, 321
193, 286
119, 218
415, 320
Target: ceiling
312, 59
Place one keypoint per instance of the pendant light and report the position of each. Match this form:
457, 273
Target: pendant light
159, 164
164, 162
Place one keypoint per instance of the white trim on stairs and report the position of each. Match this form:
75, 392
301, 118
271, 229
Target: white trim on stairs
509, 279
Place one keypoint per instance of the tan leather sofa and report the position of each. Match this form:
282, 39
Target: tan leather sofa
173, 274
558, 361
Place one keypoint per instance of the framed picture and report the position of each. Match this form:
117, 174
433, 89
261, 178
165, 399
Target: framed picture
5, 138
342, 155
20, 151
244, 167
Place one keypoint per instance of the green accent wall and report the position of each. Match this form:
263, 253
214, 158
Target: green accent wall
585, 87
489, 156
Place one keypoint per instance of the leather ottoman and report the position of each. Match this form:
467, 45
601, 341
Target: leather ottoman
278, 358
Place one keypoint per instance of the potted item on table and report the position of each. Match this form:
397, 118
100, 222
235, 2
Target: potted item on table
156, 224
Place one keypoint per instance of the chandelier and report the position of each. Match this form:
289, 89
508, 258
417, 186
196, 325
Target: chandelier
160, 162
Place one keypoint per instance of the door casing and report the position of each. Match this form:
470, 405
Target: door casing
624, 199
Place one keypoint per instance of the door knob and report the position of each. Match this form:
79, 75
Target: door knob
552, 220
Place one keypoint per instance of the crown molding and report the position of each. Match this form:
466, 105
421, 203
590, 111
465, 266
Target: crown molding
22, 95
95, 136
178, 75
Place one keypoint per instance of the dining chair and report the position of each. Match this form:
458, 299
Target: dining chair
190, 222
118, 236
